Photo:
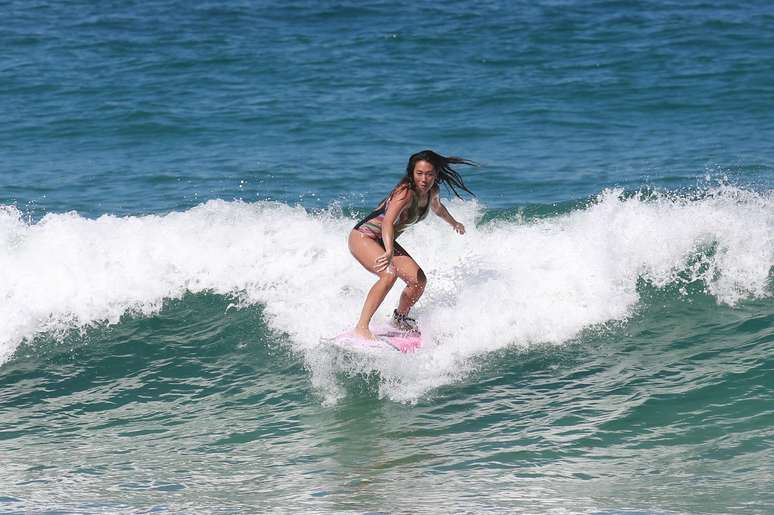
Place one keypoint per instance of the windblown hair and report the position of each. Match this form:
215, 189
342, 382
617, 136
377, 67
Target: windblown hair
444, 173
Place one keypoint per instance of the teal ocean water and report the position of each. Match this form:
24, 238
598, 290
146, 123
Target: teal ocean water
176, 186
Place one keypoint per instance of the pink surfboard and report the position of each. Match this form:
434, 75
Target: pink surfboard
387, 338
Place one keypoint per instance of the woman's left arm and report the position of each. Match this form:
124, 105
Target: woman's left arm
440, 210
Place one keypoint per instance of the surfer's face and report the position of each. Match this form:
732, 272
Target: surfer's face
424, 176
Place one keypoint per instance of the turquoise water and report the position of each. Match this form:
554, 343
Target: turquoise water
176, 185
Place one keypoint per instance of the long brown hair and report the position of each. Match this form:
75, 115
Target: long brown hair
444, 173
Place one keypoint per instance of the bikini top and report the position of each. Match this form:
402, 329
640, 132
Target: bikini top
410, 215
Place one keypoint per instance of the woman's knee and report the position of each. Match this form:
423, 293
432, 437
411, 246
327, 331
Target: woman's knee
418, 281
421, 278
388, 277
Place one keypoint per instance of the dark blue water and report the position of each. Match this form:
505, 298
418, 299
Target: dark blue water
176, 185
139, 107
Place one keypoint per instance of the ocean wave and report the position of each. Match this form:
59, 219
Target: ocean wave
508, 282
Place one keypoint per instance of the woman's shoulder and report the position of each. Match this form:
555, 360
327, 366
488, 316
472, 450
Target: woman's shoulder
402, 192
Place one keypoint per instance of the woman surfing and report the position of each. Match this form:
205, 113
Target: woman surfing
372, 240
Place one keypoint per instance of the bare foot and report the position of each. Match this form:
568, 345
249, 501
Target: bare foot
364, 333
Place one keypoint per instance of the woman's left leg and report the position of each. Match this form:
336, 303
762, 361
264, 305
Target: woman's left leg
408, 270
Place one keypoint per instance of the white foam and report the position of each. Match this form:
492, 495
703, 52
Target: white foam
505, 283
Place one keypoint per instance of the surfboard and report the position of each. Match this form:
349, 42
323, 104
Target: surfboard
388, 339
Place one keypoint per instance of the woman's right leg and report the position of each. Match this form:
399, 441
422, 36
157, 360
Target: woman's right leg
366, 250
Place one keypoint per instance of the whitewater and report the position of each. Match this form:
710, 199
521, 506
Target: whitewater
510, 282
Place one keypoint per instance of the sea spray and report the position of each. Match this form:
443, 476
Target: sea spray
505, 283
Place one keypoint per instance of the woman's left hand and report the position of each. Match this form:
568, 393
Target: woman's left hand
459, 228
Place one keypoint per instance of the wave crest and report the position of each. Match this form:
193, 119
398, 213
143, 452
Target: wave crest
504, 283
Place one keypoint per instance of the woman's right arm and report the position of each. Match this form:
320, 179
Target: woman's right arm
399, 201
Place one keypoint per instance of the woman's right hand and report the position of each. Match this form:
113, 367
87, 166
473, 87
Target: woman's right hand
383, 262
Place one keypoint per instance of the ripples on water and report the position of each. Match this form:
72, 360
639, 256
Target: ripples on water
188, 410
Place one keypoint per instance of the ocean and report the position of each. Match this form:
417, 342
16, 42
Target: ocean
177, 183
